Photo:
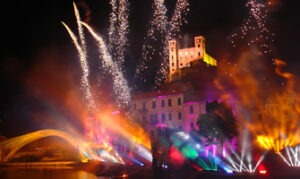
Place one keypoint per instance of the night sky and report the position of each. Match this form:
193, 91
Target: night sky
37, 54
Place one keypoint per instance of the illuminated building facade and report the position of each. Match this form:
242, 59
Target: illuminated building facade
183, 58
173, 108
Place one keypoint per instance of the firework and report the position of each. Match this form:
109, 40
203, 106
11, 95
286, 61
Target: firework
112, 25
80, 32
84, 66
121, 88
177, 20
157, 25
254, 29
118, 30
163, 29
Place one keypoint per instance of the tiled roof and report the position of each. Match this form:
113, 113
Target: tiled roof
173, 89
190, 94
143, 95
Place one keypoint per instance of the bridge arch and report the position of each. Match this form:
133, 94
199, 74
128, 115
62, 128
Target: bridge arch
11, 146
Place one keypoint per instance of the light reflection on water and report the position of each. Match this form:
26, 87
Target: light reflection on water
47, 173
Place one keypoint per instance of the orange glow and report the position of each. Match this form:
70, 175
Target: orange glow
123, 127
271, 111
279, 127
276, 144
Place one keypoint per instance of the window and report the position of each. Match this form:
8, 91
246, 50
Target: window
198, 45
170, 116
163, 103
192, 125
144, 119
144, 106
191, 109
153, 119
199, 54
172, 64
163, 117
169, 102
179, 115
153, 104
179, 101
179, 127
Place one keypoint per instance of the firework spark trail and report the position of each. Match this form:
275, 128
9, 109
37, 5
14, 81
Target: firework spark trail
80, 32
118, 30
112, 25
166, 30
123, 24
178, 17
159, 20
177, 20
121, 90
158, 24
84, 66
83, 59
254, 26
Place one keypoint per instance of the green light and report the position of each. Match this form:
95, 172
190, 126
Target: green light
189, 152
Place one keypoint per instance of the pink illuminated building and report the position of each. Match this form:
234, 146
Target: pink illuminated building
178, 106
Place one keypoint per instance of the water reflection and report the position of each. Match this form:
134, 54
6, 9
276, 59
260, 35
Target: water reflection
47, 173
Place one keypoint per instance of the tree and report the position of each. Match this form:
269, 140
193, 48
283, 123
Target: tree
217, 124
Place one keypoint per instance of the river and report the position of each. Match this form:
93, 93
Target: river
47, 173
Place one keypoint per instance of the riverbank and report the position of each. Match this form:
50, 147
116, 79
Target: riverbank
38, 164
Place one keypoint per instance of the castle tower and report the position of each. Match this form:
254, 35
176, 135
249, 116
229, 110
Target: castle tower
199, 47
173, 65
184, 57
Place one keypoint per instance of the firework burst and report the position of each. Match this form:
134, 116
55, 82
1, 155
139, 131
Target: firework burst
254, 29
157, 25
161, 30
177, 20
121, 89
118, 30
84, 66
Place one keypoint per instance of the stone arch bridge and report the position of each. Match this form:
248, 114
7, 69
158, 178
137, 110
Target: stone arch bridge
10, 146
